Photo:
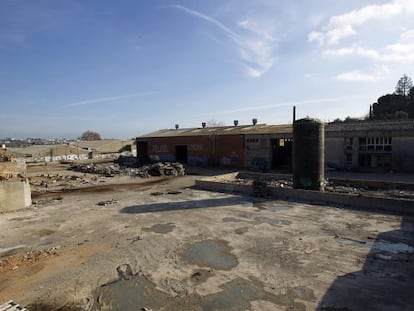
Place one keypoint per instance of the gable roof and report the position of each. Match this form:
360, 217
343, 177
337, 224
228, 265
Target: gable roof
222, 130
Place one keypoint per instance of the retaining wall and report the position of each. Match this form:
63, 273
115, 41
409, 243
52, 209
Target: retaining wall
393, 205
14, 195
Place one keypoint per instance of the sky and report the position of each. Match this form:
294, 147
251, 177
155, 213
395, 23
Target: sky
126, 68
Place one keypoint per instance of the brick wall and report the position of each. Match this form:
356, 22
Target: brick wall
201, 150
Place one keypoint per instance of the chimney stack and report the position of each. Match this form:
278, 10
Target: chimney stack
203, 124
236, 122
294, 114
176, 126
254, 121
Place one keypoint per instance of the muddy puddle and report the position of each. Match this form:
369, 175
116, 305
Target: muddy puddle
214, 254
381, 245
160, 228
137, 292
264, 206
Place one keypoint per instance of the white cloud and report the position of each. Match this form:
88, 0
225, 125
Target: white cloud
256, 44
292, 103
343, 26
401, 52
356, 75
353, 51
106, 99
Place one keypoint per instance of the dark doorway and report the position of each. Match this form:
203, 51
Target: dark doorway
142, 152
181, 154
282, 154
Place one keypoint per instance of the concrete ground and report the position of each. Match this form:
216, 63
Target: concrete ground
160, 244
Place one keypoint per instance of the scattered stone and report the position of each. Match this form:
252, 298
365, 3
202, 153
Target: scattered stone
157, 193
16, 261
107, 202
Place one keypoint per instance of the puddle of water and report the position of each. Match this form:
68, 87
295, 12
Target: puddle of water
277, 208
394, 248
139, 293
263, 206
160, 228
246, 204
211, 253
241, 231
231, 219
347, 241
272, 221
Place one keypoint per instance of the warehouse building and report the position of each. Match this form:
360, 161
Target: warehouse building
256, 146
361, 146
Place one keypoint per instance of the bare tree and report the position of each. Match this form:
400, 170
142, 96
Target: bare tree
90, 135
404, 85
214, 123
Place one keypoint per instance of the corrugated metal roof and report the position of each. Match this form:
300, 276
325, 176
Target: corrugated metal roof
222, 130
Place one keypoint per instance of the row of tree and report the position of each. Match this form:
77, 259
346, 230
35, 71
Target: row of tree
396, 106
399, 105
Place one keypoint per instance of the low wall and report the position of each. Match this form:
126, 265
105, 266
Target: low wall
393, 205
14, 195
11, 169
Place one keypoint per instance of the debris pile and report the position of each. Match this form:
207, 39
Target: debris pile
260, 188
156, 169
14, 262
108, 171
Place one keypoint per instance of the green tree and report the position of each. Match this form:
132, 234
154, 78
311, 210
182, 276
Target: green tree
90, 135
404, 85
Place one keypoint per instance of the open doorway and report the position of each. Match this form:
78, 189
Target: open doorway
181, 153
142, 152
282, 154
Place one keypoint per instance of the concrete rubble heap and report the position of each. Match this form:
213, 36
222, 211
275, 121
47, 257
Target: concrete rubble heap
155, 169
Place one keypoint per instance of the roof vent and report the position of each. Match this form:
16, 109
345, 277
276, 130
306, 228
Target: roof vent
236, 122
254, 121
176, 126
203, 124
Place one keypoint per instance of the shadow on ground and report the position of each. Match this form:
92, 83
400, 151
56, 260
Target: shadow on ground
182, 205
386, 281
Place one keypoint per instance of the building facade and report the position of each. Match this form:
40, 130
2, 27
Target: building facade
362, 146
371, 146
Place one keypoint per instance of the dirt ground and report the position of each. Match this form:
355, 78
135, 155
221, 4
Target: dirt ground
159, 244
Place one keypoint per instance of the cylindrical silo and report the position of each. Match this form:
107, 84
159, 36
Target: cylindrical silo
308, 154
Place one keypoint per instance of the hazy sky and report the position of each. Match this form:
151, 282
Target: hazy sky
124, 68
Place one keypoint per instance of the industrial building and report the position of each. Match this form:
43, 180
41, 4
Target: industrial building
360, 146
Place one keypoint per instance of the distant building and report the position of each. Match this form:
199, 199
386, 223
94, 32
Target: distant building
365, 145
78, 150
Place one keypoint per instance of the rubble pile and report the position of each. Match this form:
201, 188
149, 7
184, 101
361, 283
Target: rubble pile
155, 169
57, 180
260, 188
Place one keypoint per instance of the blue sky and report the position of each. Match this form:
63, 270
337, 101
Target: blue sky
124, 68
